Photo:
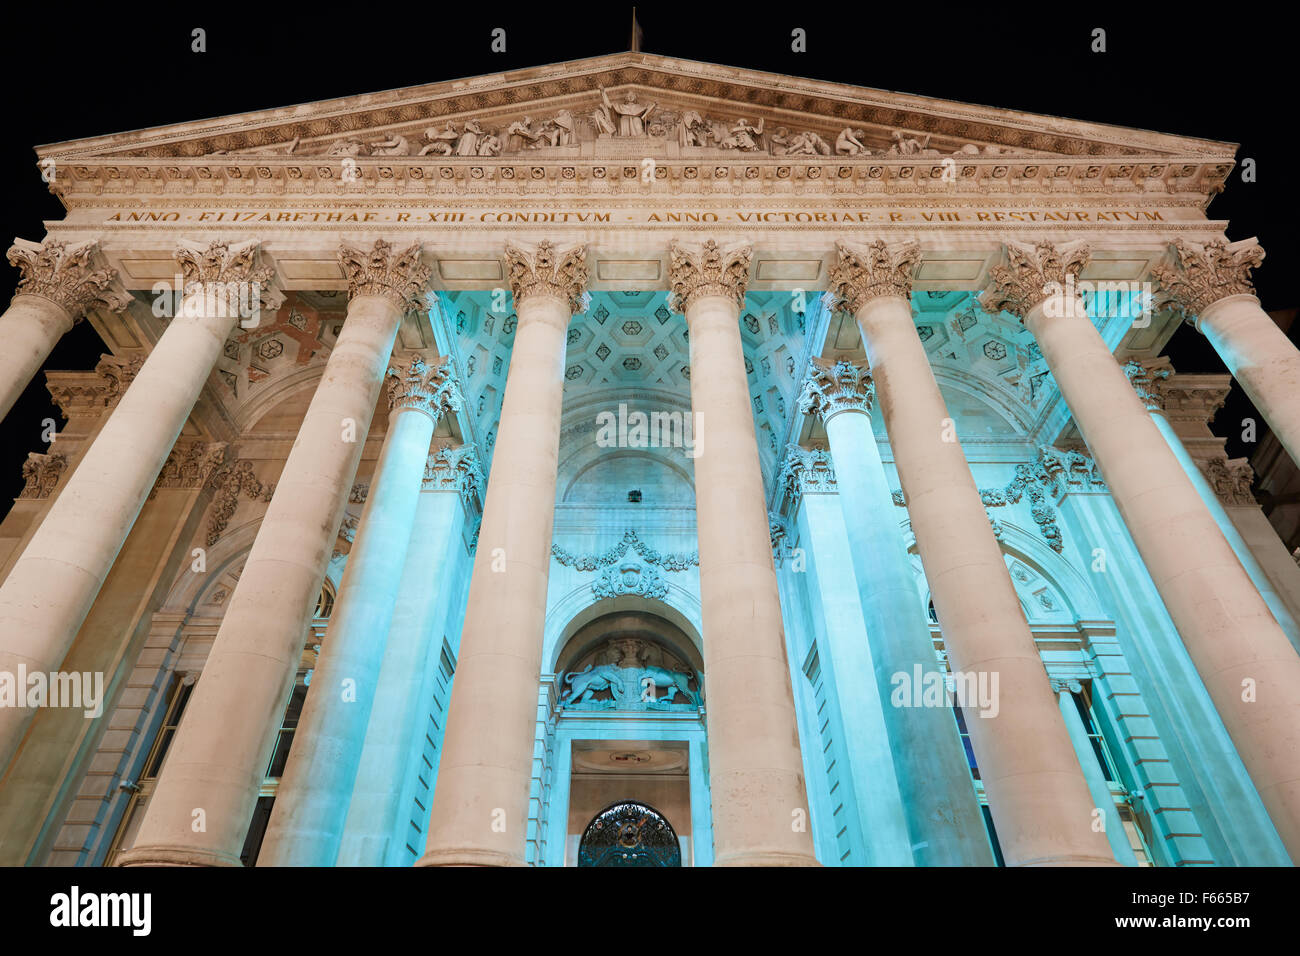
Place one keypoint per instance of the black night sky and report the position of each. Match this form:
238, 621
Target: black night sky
125, 67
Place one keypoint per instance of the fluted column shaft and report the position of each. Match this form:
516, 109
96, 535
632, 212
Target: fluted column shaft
50, 589
480, 805
311, 804
760, 802
218, 758
1211, 285
1244, 658
59, 282
1036, 793
944, 820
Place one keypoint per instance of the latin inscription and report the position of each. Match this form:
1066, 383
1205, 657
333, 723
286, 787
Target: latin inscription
638, 217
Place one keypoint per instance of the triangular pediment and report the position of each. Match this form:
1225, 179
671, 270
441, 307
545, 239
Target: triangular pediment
637, 103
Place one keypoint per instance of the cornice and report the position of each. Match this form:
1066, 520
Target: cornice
756, 91
232, 177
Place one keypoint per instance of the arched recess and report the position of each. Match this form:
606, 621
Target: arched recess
228, 555
576, 610
992, 396
586, 460
285, 390
1051, 590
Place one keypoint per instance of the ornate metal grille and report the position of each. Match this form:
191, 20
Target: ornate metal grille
629, 834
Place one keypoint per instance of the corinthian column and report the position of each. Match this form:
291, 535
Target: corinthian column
59, 284
1244, 658
1147, 380
755, 770
311, 804
1211, 286
219, 756
379, 817
943, 816
480, 806
1037, 795
53, 584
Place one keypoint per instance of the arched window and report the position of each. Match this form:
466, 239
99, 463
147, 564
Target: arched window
629, 834
324, 603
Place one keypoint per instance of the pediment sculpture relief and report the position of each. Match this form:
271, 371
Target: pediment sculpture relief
624, 118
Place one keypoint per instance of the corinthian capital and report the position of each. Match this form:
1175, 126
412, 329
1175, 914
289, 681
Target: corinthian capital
707, 270
424, 387
545, 271
1033, 273
455, 468
66, 275
228, 272
807, 471
399, 276
1205, 274
1147, 378
833, 387
861, 273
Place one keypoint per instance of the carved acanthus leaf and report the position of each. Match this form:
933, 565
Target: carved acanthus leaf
807, 471
1231, 480
400, 276
1148, 379
428, 388
707, 270
1205, 274
229, 482
117, 373
228, 273
861, 273
191, 465
545, 271
835, 387
1032, 274
41, 474
66, 274
456, 468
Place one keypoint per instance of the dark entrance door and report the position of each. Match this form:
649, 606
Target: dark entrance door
629, 834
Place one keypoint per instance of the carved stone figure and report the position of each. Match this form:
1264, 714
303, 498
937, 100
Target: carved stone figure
631, 115
395, 145
489, 144
560, 129
440, 142
521, 135
692, 130
743, 136
348, 147
849, 143
674, 681
910, 146
806, 143
468, 143
583, 684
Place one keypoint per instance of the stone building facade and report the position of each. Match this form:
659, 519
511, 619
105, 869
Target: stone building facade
642, 462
